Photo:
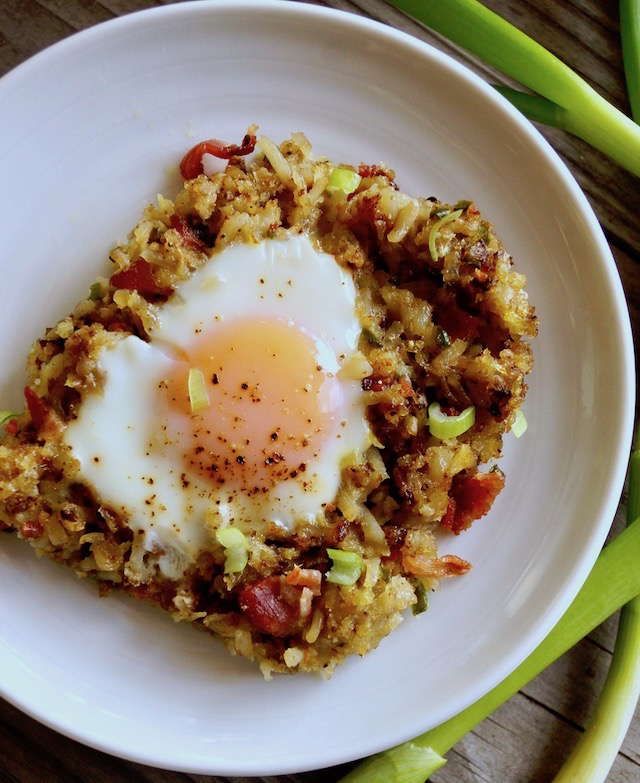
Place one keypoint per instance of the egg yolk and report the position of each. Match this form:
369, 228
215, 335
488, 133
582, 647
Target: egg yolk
273, 400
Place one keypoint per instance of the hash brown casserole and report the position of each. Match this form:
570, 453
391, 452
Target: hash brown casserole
444, 329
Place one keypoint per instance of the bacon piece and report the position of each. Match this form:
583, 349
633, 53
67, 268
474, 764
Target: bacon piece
191, 164
305, 577
471, 498
31, 529
456, 321
435, 567
188, 236
140, 277
44, 418
272, 606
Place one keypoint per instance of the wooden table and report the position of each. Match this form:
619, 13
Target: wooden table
527, 739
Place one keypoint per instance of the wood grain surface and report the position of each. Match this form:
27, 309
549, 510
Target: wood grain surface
528, 738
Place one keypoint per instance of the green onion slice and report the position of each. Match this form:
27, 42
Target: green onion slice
443, 426
343, 179
236, 549
519, 426
346, 568
198, 396
95, 292
437, 226
6, 416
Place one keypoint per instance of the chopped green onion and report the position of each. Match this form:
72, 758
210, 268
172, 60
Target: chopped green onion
422, 603
343, 179
442, 339
519, 426
442, 426
95, 292
437, 226
198, 396
236, 549
6, 416
346, 568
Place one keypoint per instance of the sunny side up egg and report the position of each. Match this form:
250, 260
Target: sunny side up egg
273, 330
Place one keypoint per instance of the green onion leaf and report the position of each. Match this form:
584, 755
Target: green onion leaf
564, 99
599, 598
198, 396
519, 426
406, 763
6, 416
346, 568
593, 755
630, 35
236, 549
343, 179
95, 292
442, 426
437, 226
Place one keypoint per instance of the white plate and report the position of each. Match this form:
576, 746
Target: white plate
91, 130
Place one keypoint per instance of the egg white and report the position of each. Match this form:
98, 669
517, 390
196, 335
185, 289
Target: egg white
118, 436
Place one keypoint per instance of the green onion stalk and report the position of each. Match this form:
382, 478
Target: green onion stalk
592, 758
562, 98
594, 754
598, 599
565, 101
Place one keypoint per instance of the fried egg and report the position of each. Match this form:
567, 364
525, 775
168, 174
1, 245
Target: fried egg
272, 329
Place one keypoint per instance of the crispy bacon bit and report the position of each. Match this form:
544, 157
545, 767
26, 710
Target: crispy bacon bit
376, 383
187, 234
369, 172
31, 529
435, 567
272, 606
44, 418
140, 277
118, 326
395, 537
455, 320
305, 577
191, 164
471, 498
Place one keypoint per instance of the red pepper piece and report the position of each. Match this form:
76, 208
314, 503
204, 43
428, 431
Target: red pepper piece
191, 164
139, 277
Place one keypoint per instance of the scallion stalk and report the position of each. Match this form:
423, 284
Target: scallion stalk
630, 36
565, 101
592, 758
578, 109
598, 599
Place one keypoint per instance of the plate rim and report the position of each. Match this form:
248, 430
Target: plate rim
79, 39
